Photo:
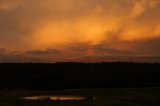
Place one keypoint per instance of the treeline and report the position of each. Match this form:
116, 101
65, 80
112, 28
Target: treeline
40, 76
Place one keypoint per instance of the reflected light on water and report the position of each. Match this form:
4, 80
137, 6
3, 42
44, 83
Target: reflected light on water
66, 98
57, 98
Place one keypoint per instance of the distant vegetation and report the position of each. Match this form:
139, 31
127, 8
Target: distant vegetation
78, 75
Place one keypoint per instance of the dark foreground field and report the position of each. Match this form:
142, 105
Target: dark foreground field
59, 76
102, 97
140, 83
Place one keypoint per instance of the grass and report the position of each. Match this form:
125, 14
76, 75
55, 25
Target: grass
104, 97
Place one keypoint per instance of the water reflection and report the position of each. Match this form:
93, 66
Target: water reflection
57, 98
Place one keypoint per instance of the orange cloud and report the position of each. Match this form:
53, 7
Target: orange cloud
115, 25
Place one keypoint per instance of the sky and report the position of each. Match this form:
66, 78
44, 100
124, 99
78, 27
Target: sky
79, 30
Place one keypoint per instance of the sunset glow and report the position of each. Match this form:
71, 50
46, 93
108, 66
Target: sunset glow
79, 30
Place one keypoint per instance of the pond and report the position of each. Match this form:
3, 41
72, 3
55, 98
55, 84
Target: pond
58, 98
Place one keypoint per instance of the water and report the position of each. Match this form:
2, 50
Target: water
58, 98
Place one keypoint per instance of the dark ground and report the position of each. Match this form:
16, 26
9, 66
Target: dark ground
56, 76
104, 97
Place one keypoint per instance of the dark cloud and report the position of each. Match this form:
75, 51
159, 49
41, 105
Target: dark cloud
109, 50
18, 58
29, 56
150, 59
79, 47
150, 46
43, 52
2, 50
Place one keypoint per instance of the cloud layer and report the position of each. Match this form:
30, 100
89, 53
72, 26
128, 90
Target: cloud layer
74, 29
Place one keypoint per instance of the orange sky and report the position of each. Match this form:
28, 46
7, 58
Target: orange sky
79, 30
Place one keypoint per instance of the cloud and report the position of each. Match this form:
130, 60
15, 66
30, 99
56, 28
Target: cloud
6, 5
149, 47
2, 50
141, 6
79, 27
43, 52
108, 50
18, 58
150, 59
